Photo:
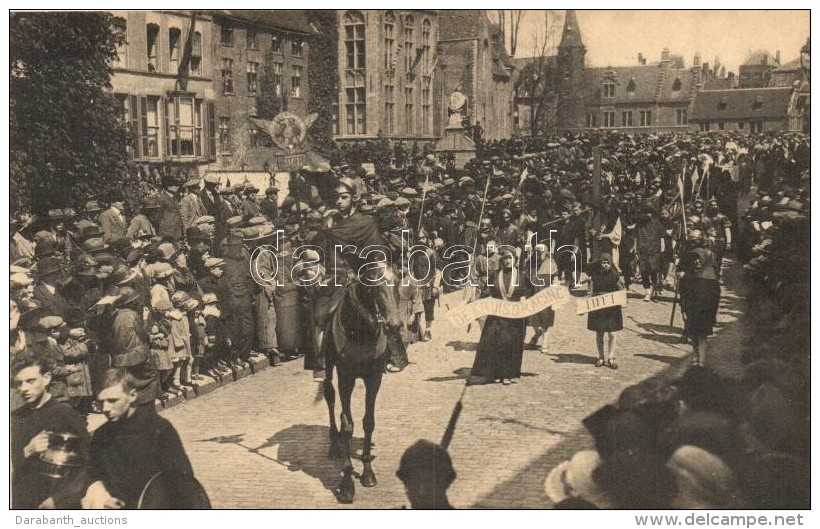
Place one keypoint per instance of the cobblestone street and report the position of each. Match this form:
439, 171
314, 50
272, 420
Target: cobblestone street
262, 442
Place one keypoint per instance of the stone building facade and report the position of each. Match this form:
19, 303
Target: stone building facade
387, 65
749, 110
474, 61
164, 76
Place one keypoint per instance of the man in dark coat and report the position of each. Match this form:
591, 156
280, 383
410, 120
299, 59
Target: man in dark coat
235, 289
30, 424
270, 205
129, 347
131, 448
49, 276
649, 234
170, 223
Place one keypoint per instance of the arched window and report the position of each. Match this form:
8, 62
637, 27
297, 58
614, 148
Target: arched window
174, 36
676, 86
389, 40
152, 34
409, 47
425, 45
196, 54
630, 87
354, 39
121, 30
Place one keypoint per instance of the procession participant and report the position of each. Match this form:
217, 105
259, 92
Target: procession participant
29, 438
501, 346
608, 230
411, 307
543, 320
720, 228
112, 222
129, 346
190, 206
265, 273
269, 205
426, 269
700, 298
129, 449
649, 234
605, 278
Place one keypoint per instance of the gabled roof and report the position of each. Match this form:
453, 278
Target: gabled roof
741, 104
291, 20
651, 83
794, 65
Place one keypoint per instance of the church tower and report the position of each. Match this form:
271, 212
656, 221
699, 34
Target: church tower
571, 54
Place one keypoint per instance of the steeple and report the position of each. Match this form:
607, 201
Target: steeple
571, 38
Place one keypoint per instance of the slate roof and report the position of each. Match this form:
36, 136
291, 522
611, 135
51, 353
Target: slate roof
291, 20
571, 35
740, 104
652, 83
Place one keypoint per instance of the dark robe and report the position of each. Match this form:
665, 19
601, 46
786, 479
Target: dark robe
501, 347
127, 453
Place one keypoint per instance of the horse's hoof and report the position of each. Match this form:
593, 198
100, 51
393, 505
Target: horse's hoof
368, 478
347, 490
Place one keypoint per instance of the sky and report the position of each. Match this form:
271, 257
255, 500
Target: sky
614, 38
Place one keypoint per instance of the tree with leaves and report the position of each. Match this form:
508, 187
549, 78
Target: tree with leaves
68, 139
323, 79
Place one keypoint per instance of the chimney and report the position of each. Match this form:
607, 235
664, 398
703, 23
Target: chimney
665, 54
777, 57
696, 62
641, 59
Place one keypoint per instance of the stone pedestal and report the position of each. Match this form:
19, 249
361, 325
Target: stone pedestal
456, 142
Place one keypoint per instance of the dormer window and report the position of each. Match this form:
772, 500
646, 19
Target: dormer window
677, 85
758, 104
630, 87
609, 90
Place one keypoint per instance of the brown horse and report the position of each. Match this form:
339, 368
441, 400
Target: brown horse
361, 329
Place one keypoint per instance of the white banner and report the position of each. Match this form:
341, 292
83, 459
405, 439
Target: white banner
508, 309
610, 299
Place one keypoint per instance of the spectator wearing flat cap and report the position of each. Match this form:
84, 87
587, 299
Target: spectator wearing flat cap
269, 205
190, 206
170, 220
112, 222
250, 202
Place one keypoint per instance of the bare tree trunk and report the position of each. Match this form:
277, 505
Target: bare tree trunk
516, 16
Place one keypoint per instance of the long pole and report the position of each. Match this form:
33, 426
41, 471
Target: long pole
423, 197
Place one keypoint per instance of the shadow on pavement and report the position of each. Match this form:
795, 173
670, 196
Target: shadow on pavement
572, 358
459, 345
671, 360
461, 373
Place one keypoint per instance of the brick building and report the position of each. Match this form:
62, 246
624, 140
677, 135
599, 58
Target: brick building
244, 43
749, 110
475, 62
164, 76
387, 61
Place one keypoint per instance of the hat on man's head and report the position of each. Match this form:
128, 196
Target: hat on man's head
193, 182
272, 190
92, 206
127, 296
234, 222
20, 280
165, 251
161, 270
213, 262
346, 185
211, 178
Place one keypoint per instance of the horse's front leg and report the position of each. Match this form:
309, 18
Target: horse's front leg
372, 383
347, 489
330, 398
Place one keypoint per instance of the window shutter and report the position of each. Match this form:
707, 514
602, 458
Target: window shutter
211, 132
135, 126
144, 123
166, 107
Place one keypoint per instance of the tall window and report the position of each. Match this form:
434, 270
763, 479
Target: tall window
174, 35
627, 118
408, 110
296, 81
630, 87
251, 39
150, 127
227, 76
389, 109
354, 40
253, 78
609, 90
334, 118
152, 34
425, 110
592, 120
646, 118
184, 115
297, 45
225, 134
355, 109
276, 44
609, 119
226, 33
121, 28
425, 46
277, 78
409, 24
389, 40
196, 55
680, 116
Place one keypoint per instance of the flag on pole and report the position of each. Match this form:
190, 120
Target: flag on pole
524, 175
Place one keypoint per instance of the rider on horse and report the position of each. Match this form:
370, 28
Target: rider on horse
345, 241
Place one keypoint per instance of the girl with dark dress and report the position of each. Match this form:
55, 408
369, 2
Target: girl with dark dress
605, 278
501, 346
700, 298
